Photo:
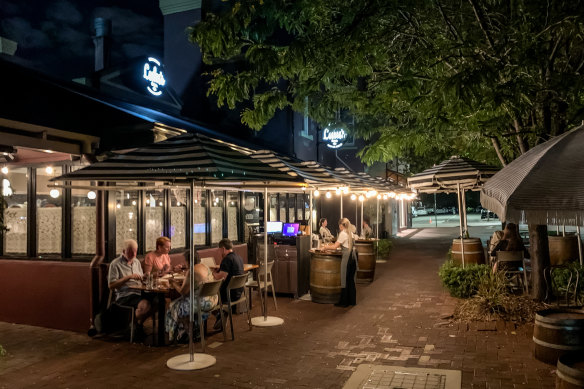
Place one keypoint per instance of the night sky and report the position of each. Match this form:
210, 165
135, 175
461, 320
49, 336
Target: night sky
55, 36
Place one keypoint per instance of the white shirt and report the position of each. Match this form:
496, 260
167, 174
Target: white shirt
343, 239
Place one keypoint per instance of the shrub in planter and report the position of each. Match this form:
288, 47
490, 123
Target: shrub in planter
462, 282
561, 278
384, 247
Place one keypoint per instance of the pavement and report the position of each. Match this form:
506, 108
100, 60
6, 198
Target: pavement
402, 321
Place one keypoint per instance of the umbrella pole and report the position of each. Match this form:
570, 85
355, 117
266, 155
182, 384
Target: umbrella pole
188, 361
377, 217
579, 244
310, 217
266, 321
461, 224
341, 204
361, 228
464, 207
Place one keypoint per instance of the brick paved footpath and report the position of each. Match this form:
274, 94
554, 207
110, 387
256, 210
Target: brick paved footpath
400, 319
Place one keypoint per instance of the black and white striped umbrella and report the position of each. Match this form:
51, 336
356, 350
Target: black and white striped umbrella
543, 186
184, 158
451, 173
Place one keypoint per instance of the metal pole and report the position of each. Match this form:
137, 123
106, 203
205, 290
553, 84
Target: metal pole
341, 204
361, 228
191, 272
460, 211
311, 218
266, 255
377, 217
579, 244
435, 212
462, 193
563, 230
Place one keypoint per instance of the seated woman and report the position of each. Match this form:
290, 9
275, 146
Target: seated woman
511, 241
325, 234
177, 315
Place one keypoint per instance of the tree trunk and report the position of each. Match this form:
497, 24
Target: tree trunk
497, 147
540, 259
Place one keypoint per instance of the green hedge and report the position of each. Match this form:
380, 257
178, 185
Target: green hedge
462, 283
384, 247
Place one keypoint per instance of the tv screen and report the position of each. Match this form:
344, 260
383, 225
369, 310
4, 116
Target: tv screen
290, 229
274, 227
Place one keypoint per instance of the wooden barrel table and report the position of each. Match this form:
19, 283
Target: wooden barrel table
563, 249
366, 252
325, 276
473, 251
558, 332
570, 372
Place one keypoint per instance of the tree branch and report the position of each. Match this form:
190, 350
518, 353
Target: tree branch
480, 18
497, 147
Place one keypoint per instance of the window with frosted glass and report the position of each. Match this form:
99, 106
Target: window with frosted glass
273, 204
49, 212
199, 214
283, 206
232, 207
126, 217
292, 208
154, 216
217, 200
14, 193
83, 219
178, 217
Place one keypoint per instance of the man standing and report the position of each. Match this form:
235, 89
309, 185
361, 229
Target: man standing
231, 265
124, 272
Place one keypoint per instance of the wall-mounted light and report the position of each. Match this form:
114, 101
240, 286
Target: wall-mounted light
160, 203
178, 203
54, 193
91, 195
118, 206
49, 170
134, 202
148, 201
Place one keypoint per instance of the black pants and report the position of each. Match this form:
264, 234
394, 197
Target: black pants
349, 292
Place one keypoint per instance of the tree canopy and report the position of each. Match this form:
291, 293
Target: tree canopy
423, 79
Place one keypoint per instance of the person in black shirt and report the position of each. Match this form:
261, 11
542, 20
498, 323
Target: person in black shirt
231, 265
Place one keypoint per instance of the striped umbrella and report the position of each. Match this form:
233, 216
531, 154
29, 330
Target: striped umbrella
543, 186
454, 174
184, 158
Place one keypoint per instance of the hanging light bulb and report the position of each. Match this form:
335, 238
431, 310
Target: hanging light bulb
178, 203
338, 191
49, 170
385, 197
328, 195
4, 170
316, 193
91, 195
392, 195
361, 198
134, 202
118, 205
54, 193
378, 197
160, 203
304, 189
346, 190
353, 197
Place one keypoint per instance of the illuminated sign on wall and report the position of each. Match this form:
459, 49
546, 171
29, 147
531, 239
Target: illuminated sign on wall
334, 135
153, 74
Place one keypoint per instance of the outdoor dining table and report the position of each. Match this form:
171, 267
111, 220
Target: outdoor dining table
159, 300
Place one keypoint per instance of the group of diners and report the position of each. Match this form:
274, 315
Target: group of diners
127, 273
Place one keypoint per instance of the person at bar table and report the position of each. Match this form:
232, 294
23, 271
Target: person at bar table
325, 234
158, 261
124, 272
366, 231
231, 265
177, 315
348, 263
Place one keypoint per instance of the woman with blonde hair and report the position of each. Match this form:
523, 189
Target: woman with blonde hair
348, 263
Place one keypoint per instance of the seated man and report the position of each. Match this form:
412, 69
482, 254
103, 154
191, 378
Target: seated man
158, 261
231, 265
366, 231
124, 272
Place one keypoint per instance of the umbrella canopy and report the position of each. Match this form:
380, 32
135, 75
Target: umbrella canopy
184, 158
451, 173
543, 186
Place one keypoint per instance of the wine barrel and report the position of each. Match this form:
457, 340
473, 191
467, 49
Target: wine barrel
366, 253
325, 277
563, 249
558, 332
473, 251
570, 372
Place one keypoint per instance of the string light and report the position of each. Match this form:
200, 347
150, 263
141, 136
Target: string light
378, 197
346, 190
385, 197
316, 193
338, 191
4, 170
353, 197
328, 195
392, 195
361, 198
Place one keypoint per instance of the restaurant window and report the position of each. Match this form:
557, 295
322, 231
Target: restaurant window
273, 204
14, 193
232, 207
83, 205
283, 206
292, 208
199, 213
154, 216
178, 217
217, 201
49, 220
126, 217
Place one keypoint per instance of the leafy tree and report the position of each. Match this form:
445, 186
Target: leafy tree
423, 79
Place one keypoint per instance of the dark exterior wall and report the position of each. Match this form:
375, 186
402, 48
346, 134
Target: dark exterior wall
47, 294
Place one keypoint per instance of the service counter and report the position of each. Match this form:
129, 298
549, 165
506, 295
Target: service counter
325, 276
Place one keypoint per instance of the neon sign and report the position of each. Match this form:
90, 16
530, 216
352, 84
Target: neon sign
334, 135
153, 74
